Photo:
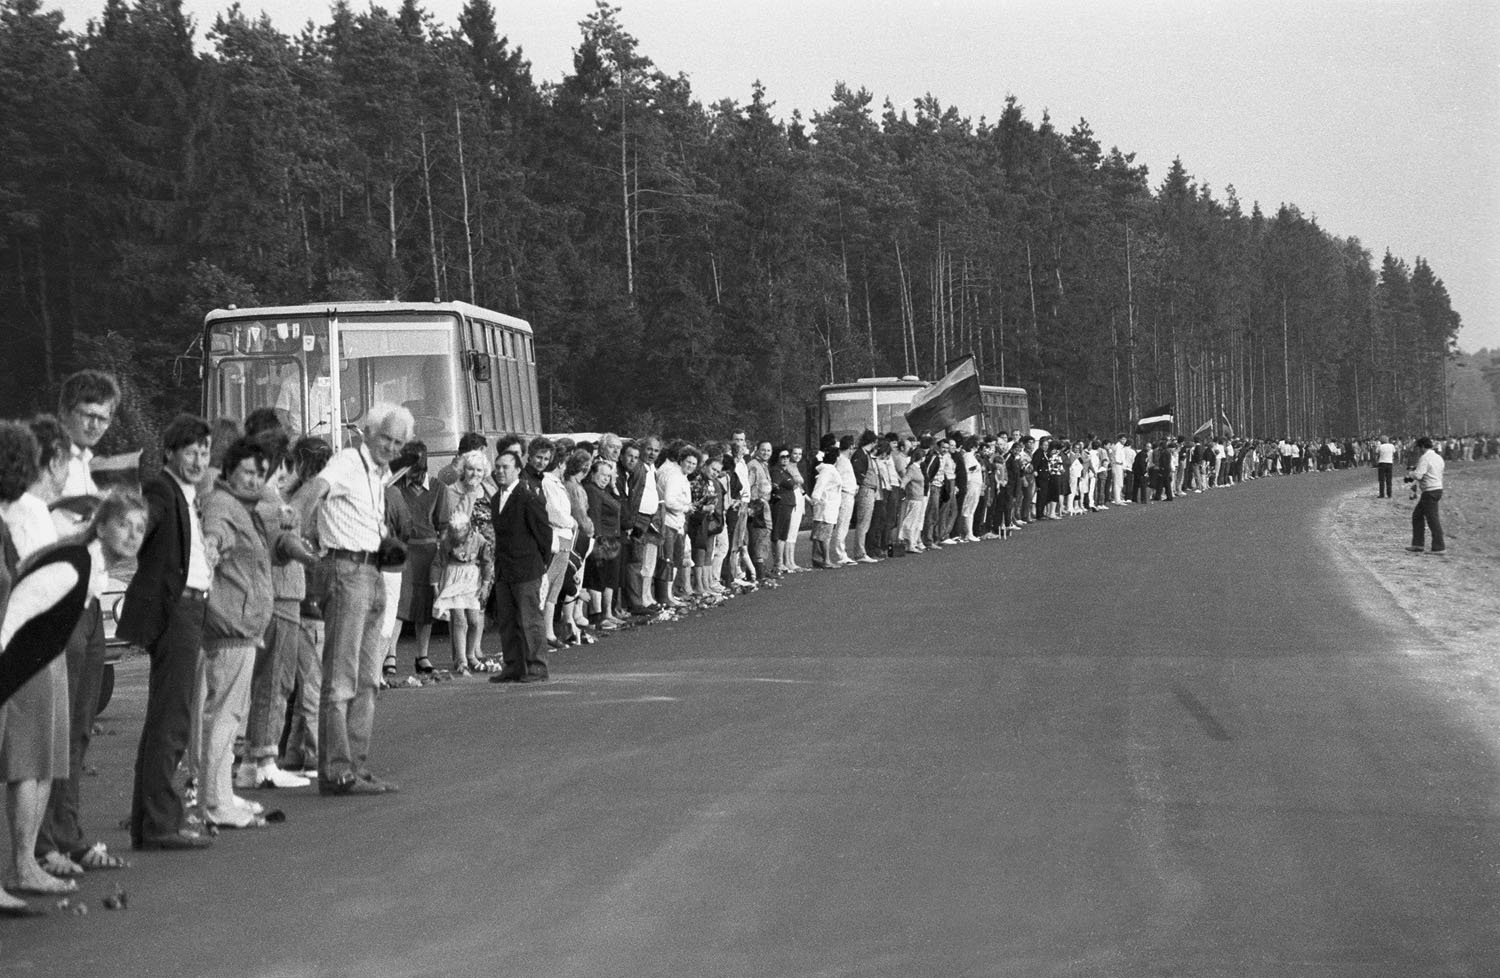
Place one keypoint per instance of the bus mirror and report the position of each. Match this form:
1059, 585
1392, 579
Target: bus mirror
479, 366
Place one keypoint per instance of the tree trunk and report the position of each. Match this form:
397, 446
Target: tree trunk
437, 284
463, 182
625, 204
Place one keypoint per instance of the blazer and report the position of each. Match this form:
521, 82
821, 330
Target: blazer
163, 564
523, 537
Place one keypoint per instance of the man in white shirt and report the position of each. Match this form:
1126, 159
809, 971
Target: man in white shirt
350, 498
1385, 465
1428, 479
86, 408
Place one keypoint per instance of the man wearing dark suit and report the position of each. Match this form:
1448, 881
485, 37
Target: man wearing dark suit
523, 549
163, 614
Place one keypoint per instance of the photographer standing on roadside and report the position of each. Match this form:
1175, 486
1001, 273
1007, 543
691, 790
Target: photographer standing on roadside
1428, 482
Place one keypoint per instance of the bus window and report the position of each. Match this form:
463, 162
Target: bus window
514, 399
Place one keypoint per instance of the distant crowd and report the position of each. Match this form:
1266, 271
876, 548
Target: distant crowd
268, 578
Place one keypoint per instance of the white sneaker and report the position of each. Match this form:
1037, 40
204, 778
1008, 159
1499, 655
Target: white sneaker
272, 776
255, 807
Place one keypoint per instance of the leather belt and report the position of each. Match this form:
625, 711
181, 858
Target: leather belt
357, 556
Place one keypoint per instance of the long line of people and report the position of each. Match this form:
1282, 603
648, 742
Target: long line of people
273, 578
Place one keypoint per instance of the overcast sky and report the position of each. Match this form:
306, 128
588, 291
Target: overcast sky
1380, 118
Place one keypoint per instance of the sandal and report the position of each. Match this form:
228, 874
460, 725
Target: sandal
421, 669
97, 857
487, 665
57, 864
389, 668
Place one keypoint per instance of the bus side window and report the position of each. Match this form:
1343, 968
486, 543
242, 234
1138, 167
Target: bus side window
483, 407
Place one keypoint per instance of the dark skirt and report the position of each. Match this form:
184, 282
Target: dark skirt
781, 522
599, 574
416, 584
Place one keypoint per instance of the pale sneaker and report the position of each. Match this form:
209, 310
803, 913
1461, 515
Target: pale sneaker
254, 807
272, 776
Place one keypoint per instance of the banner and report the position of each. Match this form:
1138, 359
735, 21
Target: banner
1157, 420
953, 399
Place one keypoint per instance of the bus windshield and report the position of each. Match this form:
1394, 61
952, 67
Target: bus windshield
410, 361
851, 410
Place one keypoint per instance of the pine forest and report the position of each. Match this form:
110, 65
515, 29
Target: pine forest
689, 266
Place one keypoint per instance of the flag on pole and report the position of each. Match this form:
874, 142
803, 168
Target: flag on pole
1203, 427
1157, 420
1227, 426
953, 399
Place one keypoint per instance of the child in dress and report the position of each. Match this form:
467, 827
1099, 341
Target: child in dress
460, 576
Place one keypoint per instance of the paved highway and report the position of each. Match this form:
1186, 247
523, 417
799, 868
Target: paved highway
1161, 740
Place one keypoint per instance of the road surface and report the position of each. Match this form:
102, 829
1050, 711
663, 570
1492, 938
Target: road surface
1161, 740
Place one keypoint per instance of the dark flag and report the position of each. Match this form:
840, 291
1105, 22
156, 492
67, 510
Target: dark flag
45, 603
953, 399
1157, 420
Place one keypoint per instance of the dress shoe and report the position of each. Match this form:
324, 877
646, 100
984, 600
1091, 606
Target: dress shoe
386, 787
181, 839
507, 677
349, 784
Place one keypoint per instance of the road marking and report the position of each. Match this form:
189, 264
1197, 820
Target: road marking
1202, 714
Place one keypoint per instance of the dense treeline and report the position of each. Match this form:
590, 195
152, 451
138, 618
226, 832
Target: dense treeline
685, 265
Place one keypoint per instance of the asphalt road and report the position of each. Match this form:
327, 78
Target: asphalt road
1157, 741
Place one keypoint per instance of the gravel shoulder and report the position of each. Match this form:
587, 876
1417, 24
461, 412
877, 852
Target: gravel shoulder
1453, 602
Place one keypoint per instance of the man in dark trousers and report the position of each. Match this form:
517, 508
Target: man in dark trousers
163, 614
523, 548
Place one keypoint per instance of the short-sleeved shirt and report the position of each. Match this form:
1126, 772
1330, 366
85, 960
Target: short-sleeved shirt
352, 516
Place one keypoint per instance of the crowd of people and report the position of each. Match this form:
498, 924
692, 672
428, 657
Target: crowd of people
270, 578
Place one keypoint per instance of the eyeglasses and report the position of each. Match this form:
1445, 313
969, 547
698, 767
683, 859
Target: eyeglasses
92, 417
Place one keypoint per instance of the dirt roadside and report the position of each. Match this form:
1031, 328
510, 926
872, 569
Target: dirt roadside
1453, 599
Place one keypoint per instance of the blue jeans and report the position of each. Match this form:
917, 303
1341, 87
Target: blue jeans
271, 684
864, 512
351, 669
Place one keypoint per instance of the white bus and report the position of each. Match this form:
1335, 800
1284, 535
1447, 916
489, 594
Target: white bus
455, 366
880, 404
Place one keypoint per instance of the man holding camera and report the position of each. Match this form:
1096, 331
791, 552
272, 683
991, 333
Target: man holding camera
1427, 486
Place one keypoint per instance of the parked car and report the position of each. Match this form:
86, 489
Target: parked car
110, 606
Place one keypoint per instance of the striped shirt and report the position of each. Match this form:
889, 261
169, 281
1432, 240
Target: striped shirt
352, 515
